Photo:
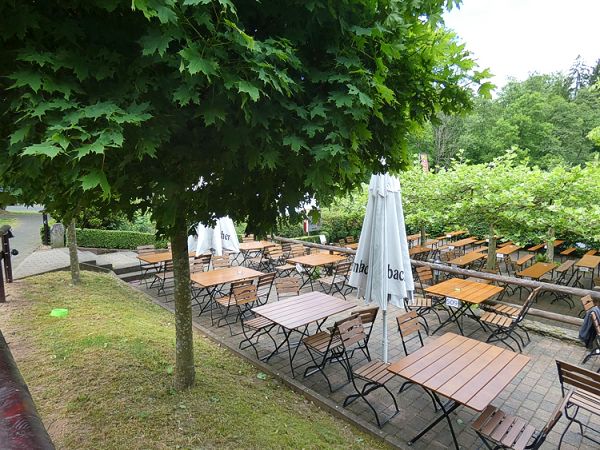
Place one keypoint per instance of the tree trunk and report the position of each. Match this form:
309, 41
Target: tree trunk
73, 257
423, 235
550, 245
491, 258
184, 345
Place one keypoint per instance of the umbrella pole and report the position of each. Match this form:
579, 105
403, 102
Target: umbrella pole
385, 334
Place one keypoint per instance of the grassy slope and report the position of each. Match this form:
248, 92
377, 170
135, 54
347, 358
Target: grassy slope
102, 378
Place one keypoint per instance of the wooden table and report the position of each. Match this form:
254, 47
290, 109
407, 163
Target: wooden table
297, 313
418, 250
255, 245
537, 247
352, 246
467, 258
211, 280
460, 296
461, 243
537, 270
160, 257
588, 263
451, 234
507, 250
464, 370
314, 261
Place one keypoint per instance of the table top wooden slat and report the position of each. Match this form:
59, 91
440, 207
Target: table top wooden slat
452, 234
508, 249
158, 257
465, 370
223, 276
316, 259
462, 243
537, 270
299, 311
467, 258
465, 290
255, 245
352, 246
588, 261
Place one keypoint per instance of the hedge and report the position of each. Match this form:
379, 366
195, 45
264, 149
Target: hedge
116, 239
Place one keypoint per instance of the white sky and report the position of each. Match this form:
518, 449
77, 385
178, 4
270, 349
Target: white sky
517, 37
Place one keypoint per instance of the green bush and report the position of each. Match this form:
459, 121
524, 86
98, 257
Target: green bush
116, 239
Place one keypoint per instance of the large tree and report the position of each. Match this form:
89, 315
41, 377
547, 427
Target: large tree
194, 109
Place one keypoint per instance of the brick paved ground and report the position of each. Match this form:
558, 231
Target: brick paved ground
532, 395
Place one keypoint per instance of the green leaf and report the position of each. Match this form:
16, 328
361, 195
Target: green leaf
197, 63
248, 88
19, 135
45, 148
25, 78
197, 2
86, 149
155, 41
93, 179
341, 99
295, 142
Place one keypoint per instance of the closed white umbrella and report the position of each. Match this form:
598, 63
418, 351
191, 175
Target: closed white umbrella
381, 271
222, 237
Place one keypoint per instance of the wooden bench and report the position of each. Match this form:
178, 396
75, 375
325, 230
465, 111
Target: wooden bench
535, 248
523, 260
591, 252
568, 251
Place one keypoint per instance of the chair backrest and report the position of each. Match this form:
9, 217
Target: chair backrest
275, 252
342, 242
202, 261
220, 262
350, 330
264, 284
287, 287
248, 238
587, 302
527, 305
146, 249
342, 269
367, 315
578, 378
297, 250
244, 293
168, 266
408, 323
349, 239
286, 247
424, 278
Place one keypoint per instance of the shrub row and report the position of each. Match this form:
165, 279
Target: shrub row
116, 239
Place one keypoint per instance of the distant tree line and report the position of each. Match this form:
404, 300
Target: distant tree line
552, 118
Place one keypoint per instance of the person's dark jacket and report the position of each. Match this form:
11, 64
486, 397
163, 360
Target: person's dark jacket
587, 332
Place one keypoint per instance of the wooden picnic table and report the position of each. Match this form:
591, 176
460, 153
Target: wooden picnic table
297, 313
466, 371
460, 296
160, 257
589, 262
507, 249
313, 262
352, 246
537, 270
418, 249
451, 234
537, 247
467, 258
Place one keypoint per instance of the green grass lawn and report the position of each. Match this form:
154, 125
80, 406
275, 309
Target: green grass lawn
102, 377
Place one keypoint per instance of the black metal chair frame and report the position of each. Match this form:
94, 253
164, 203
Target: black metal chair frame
503, 333
338, 281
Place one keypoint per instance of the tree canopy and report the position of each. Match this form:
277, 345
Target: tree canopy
194, 109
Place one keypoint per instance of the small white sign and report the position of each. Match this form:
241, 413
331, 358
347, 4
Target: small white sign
451, 247
448, 236
500, 255
453, 302
299, 268
584, 269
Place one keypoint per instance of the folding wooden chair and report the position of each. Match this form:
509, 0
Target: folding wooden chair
264, 286
147, 269
367, 318
499, 430
423, 303
337, 283
581, 390
241, 298
325, 346
564, 276
287, 287
409, 328
587, 303
374, 373
220, 262
248, 238
506, 327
